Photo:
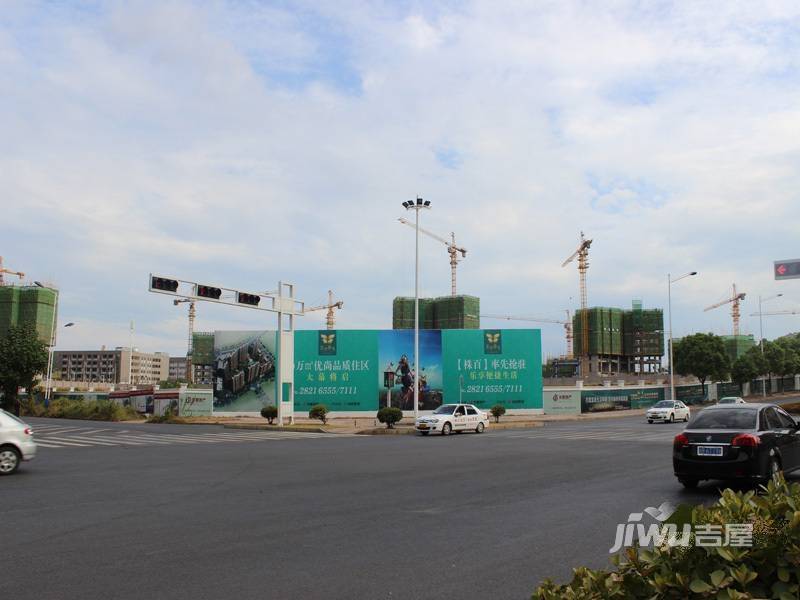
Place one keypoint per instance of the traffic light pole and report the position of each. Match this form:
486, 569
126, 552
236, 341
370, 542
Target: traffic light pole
281, 302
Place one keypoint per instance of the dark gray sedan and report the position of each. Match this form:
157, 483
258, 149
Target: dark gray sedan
746, 442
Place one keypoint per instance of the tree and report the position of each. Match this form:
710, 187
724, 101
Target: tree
743, 369
498, 410
23, 356
702, 355
319, 411
390, 415
270, 413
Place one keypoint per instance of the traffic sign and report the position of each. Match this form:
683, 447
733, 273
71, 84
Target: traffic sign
787, 269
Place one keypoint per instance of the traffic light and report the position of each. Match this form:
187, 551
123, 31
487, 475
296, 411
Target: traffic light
163, 284
251, 299
206, 291
787, 269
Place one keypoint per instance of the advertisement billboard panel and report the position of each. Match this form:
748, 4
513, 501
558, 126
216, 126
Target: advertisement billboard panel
244, 370
363, 370
562, 402
195, 403
620, 399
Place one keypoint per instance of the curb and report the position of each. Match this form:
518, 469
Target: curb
297, 428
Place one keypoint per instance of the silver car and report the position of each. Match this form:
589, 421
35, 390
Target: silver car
731, 400
16, 443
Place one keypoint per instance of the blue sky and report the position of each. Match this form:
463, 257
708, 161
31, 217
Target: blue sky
245, 142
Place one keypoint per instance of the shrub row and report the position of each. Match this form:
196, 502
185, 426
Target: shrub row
92, 410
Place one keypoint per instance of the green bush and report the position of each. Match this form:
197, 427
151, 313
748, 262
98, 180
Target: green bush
93, 410
270, 413
319, 411
768, 569
498, 410
390, 415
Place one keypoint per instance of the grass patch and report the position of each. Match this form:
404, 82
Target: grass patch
90, 410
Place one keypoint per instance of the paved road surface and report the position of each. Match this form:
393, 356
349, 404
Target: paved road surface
398, 517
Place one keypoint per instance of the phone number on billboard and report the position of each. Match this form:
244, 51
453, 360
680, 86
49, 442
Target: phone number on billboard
493, 389
330, 390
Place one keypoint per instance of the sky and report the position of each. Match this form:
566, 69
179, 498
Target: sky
243, 143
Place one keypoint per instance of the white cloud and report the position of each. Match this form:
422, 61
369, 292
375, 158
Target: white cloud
245, 143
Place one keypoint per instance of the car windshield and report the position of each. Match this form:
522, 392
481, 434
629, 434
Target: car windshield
446, 409
663, 404
729, 418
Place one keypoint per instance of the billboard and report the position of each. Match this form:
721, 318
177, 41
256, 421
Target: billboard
562, 402
195, 403
351, 370
619, 399
244, 370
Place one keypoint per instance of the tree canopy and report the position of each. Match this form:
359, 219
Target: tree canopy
702, 355
23, 356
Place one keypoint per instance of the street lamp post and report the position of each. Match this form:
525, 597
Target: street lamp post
416, 206
761, 340
49, 375
670, 281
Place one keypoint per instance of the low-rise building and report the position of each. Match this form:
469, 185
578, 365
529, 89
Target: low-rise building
111, 366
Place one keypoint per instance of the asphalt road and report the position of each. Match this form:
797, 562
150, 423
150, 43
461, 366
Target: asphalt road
196, 514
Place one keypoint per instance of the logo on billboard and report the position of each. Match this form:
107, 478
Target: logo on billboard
327, 343
492, 342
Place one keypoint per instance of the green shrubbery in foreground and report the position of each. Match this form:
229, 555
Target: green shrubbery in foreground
768, 569
92, 410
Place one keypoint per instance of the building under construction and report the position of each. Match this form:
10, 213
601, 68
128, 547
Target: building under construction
447, 312
621, 341
28, 306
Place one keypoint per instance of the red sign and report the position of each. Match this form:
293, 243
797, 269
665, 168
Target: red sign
787, 269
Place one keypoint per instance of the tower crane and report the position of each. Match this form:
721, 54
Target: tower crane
330, 319
19, 274
189, 346
777, 312
452, 250
582, 254
567, 325
735, 299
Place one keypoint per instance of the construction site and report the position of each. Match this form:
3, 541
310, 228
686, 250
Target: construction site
27, 305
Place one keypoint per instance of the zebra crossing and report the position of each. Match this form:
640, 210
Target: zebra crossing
81, 436
651, 434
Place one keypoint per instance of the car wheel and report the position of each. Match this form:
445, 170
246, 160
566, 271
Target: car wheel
424, 432
686, 418
9, 460
650, 421
446, 429
689, 484
672, 418
479, 428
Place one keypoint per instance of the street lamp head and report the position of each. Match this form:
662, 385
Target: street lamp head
419, 201
427, 203
69, 324
693, 273
38, 284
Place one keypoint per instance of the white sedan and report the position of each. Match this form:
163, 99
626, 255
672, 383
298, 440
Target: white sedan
668, 411
453, 417
731, 400
16, 443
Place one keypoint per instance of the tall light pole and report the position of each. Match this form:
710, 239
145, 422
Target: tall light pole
670, 281
761, 327
416, 206
49, 376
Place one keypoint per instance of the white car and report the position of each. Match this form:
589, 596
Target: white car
16, 443
453, 417
731, 400
668, 411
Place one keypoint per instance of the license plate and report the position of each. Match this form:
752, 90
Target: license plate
709, 451
422, 426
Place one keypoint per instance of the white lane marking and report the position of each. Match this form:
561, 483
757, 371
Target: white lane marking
77, 438
66, 442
